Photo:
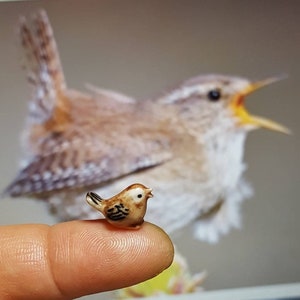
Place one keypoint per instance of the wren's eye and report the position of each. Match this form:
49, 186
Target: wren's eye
214, 95
139, 195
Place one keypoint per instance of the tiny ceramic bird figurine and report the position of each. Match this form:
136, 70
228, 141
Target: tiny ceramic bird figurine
187, 144
126, 209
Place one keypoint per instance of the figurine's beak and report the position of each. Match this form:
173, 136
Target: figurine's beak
149, 193
245, 118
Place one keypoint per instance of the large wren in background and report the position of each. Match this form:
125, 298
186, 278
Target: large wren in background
187, 144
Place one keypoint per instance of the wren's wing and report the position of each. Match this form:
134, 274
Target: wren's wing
78, 159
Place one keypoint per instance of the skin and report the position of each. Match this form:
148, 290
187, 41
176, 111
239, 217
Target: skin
77, 258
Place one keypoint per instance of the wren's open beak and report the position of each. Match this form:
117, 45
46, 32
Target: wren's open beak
247, 119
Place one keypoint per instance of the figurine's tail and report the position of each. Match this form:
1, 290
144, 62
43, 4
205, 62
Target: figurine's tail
44, 68
94, 200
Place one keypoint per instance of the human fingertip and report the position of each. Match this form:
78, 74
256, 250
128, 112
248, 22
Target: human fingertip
100, 257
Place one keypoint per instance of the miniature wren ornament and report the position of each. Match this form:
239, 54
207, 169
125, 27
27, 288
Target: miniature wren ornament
126, 209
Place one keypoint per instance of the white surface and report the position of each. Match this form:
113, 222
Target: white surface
272, 292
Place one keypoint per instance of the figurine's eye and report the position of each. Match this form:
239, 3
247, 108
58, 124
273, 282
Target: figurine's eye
139, 195
214, 95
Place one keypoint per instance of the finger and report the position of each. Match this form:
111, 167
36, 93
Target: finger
73, 259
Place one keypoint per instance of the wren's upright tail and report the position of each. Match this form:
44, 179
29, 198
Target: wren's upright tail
44, 69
